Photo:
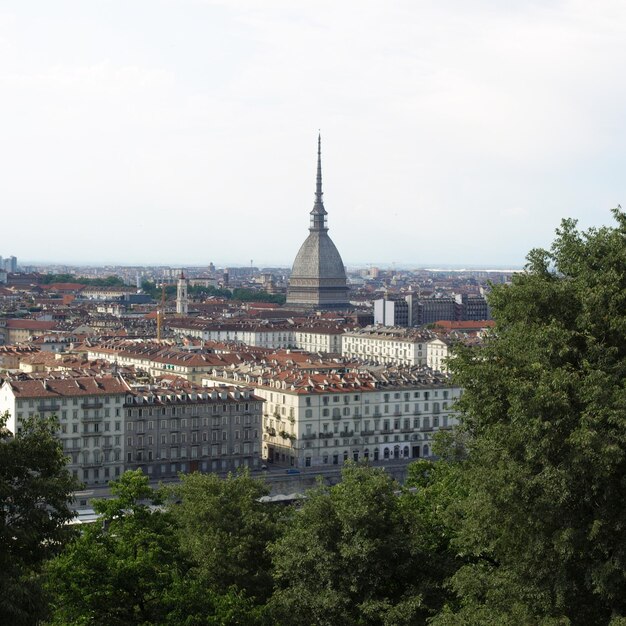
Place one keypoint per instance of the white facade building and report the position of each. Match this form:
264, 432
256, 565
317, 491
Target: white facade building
437, 352
318, 419
91, 419
392, 346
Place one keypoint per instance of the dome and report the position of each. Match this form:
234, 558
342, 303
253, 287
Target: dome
318, 258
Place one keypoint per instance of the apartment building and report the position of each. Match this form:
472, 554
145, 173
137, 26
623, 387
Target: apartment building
319, 337
90, 411
182, 428
107, 426
390, 345
313, 419
159, 360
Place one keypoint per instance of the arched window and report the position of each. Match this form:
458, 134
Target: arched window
425, 450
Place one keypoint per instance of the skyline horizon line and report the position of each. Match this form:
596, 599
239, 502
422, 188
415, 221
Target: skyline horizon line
354, 265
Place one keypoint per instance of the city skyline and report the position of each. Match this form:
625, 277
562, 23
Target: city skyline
183, 133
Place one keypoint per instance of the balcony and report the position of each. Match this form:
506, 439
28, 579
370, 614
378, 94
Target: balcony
327, 435
387, 431
308, 436
271, 431
49, 408
92, 418
91, 405
346, 433
407, 430
367, 433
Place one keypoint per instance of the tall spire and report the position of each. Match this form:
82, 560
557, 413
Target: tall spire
318, 186
318, 220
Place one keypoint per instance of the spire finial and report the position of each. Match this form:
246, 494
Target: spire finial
319, 212
318, 187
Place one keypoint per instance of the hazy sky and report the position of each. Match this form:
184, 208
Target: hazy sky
184, 131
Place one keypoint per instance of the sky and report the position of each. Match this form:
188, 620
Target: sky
184, 132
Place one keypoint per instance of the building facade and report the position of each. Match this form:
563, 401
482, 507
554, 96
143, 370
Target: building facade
90, 411
318, 420
192, 430
107, 426
387, 345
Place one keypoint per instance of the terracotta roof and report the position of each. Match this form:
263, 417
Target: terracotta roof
70, 387
21, 324
465, 325
64, 286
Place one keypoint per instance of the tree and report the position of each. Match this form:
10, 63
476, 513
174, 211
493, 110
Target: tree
118, 570
225, 531
35, 493
346, 557
544, 407
130, 569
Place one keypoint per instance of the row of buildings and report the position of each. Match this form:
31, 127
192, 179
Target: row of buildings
411, 310
306, 414
108, 425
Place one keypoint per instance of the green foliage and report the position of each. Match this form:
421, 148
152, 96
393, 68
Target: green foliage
116, 572
130, 569
35, 488
155, 291
544, 409
206, 292
199, 291
109, 281
225, 531
252, 295
350, 556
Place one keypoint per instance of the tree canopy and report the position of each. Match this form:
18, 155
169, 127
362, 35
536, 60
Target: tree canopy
109, 281
35, 494
544, 411
131, 569
360, 552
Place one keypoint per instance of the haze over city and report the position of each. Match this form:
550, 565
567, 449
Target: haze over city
185, 132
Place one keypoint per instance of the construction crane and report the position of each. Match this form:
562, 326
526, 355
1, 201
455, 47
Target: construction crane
161, 313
